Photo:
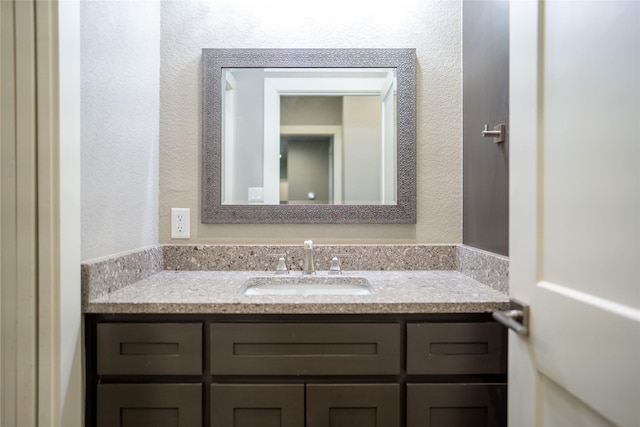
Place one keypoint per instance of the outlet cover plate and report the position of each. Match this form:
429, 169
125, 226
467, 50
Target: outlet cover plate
180, 223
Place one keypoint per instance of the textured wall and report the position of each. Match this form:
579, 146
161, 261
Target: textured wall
432, 27
120, 62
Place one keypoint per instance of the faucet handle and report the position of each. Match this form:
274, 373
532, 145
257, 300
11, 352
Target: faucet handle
335, 263
281, 268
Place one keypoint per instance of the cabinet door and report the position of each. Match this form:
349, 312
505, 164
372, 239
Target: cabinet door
350, 405
456, 405
257, 405
157, 405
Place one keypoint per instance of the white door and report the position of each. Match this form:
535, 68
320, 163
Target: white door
575, 212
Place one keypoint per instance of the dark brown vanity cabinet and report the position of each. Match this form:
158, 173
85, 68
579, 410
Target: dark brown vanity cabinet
158, 405
269, 405
460, 405
312, 355
309, 370
461, 352
149, 348
168, 352
310, 405
305, 348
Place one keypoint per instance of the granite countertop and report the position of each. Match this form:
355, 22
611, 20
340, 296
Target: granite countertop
407, 291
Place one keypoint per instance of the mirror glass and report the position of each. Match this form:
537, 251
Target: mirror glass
328, 136
308, 136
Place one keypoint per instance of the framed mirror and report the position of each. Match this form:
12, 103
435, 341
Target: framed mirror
308, 136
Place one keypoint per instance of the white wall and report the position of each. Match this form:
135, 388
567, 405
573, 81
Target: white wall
362, 135
432, 27
249, 133
70, 310
120, 63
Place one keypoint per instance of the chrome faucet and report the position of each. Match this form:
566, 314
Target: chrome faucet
308, 267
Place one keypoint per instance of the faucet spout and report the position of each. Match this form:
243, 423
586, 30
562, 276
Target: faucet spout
308, 267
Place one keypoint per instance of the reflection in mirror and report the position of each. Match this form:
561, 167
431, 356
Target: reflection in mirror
308, 135
352, 108
306, 170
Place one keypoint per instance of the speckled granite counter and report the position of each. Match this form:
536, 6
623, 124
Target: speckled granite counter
221, 292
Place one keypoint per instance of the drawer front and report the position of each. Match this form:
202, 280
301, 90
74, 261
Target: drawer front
456, 405
456, 348
305, 349
149, 348
158, 405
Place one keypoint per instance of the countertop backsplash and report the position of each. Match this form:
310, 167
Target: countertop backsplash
106, 275
352, 257
487, 268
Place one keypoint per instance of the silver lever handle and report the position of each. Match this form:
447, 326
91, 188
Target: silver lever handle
335, 263
281, 268
335, 266
517, 318
497, 134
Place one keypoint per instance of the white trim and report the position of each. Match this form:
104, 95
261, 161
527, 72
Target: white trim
326, 86
48, 232
388, 149
271, 145
524, 89
40, 280
388, 86
70, 315
274, 87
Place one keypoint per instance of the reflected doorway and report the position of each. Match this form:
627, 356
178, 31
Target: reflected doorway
306, 169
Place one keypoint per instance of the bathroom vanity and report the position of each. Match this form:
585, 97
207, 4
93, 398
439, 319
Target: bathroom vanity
189, 348
313, 370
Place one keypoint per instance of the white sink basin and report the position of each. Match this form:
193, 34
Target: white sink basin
307, 285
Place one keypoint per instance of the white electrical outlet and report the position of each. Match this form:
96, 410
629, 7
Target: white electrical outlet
180, 223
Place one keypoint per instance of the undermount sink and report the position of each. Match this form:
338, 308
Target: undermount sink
307, 285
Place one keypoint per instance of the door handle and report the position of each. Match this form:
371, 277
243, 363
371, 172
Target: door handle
497, 133
517, 318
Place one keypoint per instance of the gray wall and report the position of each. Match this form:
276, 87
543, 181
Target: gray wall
308, 169
485, 100
311, 110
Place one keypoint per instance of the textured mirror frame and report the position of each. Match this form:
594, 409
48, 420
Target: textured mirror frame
213, 63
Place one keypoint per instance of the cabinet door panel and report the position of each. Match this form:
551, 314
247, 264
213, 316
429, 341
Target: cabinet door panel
158, 405
456, 348
305, 349
149, 348
456, 405
257, 405
349, 405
